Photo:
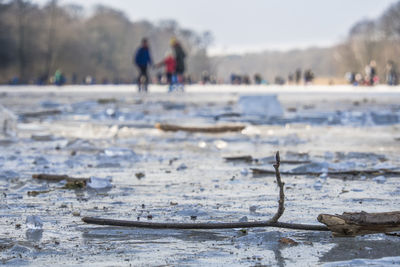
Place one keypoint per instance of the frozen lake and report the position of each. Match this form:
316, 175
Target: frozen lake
138, 172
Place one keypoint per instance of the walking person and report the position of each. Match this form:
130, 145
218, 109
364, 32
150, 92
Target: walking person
170, 69
142, 60
371, 73
298, 76
391, 73
180, 61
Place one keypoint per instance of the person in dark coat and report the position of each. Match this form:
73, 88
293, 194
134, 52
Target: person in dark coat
180, 60
142, 60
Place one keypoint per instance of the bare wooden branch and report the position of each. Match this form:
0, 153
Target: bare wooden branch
294, 162
246, 158
332, 173
281, 201
204, 129
173, 225
57, 177
42, 113
362, 223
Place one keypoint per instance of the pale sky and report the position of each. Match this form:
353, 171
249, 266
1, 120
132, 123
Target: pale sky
254, 25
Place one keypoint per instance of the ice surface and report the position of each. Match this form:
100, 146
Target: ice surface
210, 189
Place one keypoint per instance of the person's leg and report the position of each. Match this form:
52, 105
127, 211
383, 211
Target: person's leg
139, 80
170, 82
180, 80
146, 78
142, 79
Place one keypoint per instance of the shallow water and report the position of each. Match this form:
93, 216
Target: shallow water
108, 133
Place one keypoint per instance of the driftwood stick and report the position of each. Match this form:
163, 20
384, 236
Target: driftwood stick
361, 223
204, 129
281, 202
58, 177
333, 173
247, 158
49, 112
154, 225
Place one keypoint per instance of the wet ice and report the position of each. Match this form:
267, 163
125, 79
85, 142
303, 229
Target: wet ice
89, 139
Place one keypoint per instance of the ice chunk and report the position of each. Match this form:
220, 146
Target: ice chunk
220, 144
81, 145
34, 222
384, 165
34, 235
20, 249
109, 164
253, 208
110, 112
291, 140
8, 122
316, 167
40, 161
202, 144
357, 190
49, 104
260, 105
119, 152
8, 174
367, 156
328, 155
244, 171
317, 185
181, 167
99, 183
385, 118
379, 179
244, 219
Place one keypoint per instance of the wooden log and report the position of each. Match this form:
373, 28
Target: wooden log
41, 113
246, 158
362, 223
202, 129
58, 177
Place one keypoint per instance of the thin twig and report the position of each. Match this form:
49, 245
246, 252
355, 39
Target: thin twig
41, 113
154, 225
333, 173
270, 223
203, 129
281, 202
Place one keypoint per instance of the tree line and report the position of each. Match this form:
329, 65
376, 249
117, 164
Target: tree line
36, 41
368, 40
